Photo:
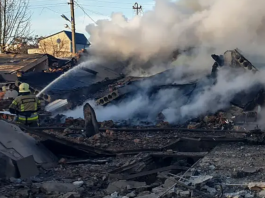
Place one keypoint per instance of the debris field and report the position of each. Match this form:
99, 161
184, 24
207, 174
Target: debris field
216, 154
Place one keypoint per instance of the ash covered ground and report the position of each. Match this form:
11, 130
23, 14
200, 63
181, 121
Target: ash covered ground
178, 117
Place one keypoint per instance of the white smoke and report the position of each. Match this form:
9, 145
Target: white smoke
176, 106
206, 26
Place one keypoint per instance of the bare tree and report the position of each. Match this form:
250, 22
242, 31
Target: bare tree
22, 44
14, 21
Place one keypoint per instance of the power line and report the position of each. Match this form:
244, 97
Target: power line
85, 12
45, 5
91, 5
117, 2
99, 1
98, 13
50, 10
106, 7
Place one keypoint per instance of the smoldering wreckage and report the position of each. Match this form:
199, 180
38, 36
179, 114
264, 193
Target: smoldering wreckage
205, 154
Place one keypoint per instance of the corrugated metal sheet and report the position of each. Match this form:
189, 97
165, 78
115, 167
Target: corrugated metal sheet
13, 62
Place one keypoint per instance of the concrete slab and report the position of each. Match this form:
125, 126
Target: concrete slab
27, 167
16, 144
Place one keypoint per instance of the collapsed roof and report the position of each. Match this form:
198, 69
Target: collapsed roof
34, 64
106, 86
10, 63
87, 85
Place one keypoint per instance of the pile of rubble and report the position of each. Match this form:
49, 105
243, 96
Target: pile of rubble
229, 170
214, 155
137, 162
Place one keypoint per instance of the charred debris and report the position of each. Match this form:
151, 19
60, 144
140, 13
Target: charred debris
216, 155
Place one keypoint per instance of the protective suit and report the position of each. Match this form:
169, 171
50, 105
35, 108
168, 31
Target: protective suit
26, 106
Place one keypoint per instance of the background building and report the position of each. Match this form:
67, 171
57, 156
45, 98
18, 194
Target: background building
60, 44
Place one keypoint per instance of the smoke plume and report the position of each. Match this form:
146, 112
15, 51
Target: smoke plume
194, 28
208, 26
176, 104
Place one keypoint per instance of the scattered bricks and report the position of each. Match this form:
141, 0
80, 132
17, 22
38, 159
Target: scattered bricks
107, 124
194, 125
109, 132
96, 137
136, 141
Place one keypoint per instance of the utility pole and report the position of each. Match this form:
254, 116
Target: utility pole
1, 27
73, 25
137, 8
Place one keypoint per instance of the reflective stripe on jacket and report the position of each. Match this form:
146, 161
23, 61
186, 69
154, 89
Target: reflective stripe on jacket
32, 118
26, 103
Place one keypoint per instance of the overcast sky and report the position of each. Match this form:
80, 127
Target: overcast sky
46, 14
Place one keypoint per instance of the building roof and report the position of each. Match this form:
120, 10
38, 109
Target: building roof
79, 37
12, 62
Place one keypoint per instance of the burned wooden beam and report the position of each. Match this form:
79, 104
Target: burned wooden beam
190, 139
145, 129
213, 139
170, 129
145, 173
136, 151
86, 148
138, 163
180, 154
89, 161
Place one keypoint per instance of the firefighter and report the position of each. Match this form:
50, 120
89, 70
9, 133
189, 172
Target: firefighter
26, 106
3, 92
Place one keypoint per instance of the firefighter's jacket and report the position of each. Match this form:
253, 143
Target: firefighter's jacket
26, 107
